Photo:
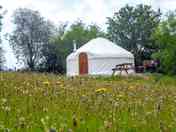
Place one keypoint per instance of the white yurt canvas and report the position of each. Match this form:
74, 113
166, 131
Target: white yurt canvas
97, 57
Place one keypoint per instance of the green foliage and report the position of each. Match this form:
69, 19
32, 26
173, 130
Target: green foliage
1, 50
165, 37
0, 17
132, 27
31, 102
2, 59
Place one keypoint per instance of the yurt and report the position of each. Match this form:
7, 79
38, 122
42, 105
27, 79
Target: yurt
97, 57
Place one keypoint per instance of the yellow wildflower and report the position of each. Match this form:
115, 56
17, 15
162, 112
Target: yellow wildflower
120, 96
101, 90
61, 85
131, 87
6, 108
58, 82
46, 83
4, 100
83, 95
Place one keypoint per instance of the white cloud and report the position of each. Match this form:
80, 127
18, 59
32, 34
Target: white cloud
165, 5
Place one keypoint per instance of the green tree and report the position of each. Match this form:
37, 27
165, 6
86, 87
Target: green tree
31, 33
165, 36
1, 50
0, 18
132, 27
52, 61
62, 45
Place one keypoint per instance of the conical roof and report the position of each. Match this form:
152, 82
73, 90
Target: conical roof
101, 47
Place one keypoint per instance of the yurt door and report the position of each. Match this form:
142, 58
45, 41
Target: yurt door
83, 64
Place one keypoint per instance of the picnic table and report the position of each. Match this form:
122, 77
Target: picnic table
122, 67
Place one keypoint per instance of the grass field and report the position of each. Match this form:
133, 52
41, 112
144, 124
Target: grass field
31, 102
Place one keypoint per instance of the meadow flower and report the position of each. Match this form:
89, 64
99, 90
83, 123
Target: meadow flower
47, 117
21, 119
58, 82
107, 124
100, 90
116, 104
28, 84
120, 96
45, 109
131, 87
83, 95
6, 108
4, 100
46, 83
62, 85
44, 124
148, 113
7, 130
69, 130
25, 92
22, 122
43, 121
124, 101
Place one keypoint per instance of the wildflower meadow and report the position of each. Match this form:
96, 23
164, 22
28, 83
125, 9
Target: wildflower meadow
31, 102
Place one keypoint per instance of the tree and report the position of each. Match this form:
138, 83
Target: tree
31, 33
2, 59
0, 17
52, 61
132, 27
1, 50
165, 36
62, 45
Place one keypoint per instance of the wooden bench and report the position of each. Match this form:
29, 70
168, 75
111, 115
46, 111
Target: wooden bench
122, 67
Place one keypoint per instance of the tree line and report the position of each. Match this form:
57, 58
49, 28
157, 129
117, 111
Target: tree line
1, 50
42, 46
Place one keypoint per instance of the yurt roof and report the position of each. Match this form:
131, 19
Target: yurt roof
101, 47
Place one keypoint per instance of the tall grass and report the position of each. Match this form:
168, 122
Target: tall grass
31, 102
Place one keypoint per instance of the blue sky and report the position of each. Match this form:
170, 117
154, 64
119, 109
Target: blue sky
90, 11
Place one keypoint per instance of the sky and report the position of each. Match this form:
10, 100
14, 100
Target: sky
90, 11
